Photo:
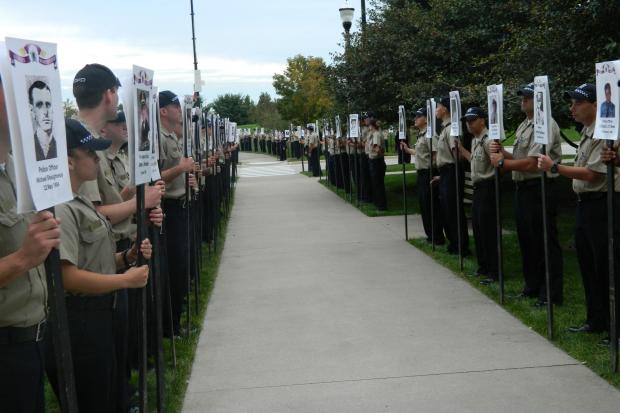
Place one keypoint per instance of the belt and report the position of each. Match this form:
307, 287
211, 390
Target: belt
100, 302
527, 183
484, 183
172, 201
446, 166
17, 335
592, 196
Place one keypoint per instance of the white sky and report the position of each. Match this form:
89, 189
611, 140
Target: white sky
240, 43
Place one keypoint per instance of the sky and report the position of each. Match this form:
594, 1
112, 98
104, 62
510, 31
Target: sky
240, 43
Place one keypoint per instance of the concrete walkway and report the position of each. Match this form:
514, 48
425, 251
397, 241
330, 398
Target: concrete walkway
318, 308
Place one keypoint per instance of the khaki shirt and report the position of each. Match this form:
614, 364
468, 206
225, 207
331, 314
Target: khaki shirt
445, 144
423, 150
104, 190
23, 300
525, 146
86, 237
481, 166
589, 156
375, 137
170, 154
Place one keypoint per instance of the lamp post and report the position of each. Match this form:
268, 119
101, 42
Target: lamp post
346, 15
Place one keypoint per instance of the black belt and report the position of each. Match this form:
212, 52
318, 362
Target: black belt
17, 335
171, 201
527, 182
446, 167
483, 183
593, 196
100, 302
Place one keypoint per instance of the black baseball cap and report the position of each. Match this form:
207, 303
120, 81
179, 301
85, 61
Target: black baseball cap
369, 115
587, 91
420, 112
527, 90
120, 117
310, 127
79, 137
473, 113
93, 79
444, 101
167, 97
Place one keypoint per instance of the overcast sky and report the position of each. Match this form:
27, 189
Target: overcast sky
240, 43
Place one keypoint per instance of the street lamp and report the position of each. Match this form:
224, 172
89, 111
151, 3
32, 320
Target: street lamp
346, 15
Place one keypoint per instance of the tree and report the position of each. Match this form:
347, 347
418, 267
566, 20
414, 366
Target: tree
233, 106
266, 114
69, 108
304, 91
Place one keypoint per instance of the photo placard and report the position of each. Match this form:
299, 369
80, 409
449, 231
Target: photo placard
542, 110
495, 105
35, 112
607, 77
354, 126
402, 123
456, 127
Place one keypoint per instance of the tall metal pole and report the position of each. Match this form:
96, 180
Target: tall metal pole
363, 8
498, 226
543, 189
613, 333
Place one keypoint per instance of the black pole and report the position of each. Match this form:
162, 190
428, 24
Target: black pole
613, 333
156, 282
59, 331
458, 204
188, 236
405, 200
142, 302
430, 182
303, 169
363, 8
498, 228
543, 189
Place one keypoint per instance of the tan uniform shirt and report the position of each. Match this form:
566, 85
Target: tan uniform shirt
23, 300
481, 166
423, 150
445, 144
525, 146
170, 154
375, 144
86, 237
589, 156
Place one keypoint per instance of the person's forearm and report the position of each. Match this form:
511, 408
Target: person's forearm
128, 192
528, 164
11, 266
465, 153
507, 155
579, 172
81, 281
118, 212
170, 174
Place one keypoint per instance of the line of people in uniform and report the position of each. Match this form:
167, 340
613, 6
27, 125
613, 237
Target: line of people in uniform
527, 161
95, 233
271, 143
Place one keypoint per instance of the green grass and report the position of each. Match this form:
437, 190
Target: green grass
176, 380
399, 168
394, 196
582, 347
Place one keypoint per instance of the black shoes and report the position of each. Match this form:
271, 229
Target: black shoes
584, 328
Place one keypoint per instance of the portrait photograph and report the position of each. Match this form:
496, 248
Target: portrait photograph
42, 115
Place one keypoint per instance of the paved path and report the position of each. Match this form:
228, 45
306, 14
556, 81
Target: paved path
318, 308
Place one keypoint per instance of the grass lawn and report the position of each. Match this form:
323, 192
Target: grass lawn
399, 168
176, 379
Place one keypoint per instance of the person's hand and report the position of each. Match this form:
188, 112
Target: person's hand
608, 154
146, 248
495, 147
187, 164
156, 216
192, 181
544, 163
136, 277
42, 235
496, 157
403, 145
152, 196
196, 167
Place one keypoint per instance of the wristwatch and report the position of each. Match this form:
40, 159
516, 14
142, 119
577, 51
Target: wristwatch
500, 164
554, 168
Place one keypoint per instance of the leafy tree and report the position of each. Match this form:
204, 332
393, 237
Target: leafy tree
233, 106
69, 108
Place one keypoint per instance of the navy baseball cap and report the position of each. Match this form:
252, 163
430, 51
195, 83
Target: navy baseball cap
420, 112
587, 91
167, 97
527, 90
444, 101
93, 79
473, 113
79, 137
120, 117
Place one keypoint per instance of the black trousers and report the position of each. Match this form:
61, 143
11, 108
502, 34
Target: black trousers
424, 196
177, 250
591, 245
92, 332
449, 205
367, 185
529, 219
377, 179
21, 377
402, 156
484, 224
331, 169
314, 164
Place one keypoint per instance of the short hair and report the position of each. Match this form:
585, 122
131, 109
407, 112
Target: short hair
39, 84
607, 87
89, 101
